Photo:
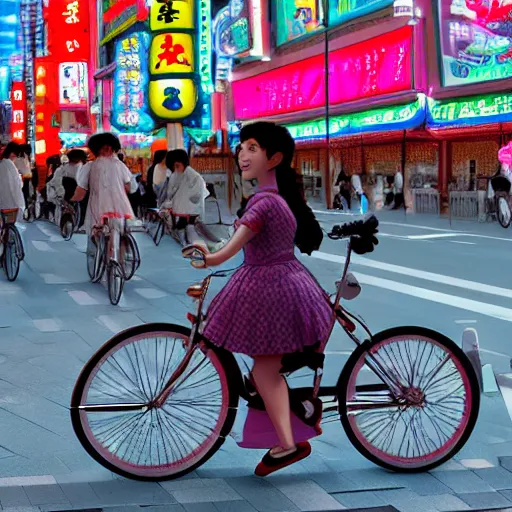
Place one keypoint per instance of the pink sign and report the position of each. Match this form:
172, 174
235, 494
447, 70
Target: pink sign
381, 65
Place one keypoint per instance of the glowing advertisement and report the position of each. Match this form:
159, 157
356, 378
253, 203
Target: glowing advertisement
492, 108
341, 11
172, 53
119, 15
232, 28
382, 65
129, 111
73, 84
68, 30
383, 119
19, 112
298, 18
475, 40
172, 15
173, 98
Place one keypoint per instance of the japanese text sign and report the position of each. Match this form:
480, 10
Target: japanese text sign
381, 65
130, 84
172, 53
172, 15
19, 112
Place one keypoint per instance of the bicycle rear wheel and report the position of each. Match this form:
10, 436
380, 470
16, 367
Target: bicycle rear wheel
115, 278
12, 257
113, 418
422, 413
95, 258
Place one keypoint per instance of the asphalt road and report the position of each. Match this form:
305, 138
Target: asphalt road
423, 272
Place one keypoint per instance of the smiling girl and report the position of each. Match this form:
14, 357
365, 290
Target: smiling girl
272, 305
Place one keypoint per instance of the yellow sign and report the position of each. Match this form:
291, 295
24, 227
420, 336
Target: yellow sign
173, 98
172, 53
172, 15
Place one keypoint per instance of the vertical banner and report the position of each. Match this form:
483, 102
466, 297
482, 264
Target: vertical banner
19, 112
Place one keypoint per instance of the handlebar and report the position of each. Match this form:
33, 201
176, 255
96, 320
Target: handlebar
362, 234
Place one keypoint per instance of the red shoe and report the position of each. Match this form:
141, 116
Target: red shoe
270, 463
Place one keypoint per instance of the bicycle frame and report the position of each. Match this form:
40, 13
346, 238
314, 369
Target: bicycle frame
340, 314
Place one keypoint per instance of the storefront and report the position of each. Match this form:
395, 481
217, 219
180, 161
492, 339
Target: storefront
377, 106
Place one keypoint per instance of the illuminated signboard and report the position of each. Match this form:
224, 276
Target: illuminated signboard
382, 119
344, 10
172, 14
470, 111
475, 41
73, 139
119, 15
232, 29
129, 110
68, 30
297, 18
73, 84
382, 65
172, 53
173, 98
19, 112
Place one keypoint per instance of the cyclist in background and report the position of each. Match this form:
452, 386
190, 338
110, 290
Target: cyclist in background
108, 181
11, 194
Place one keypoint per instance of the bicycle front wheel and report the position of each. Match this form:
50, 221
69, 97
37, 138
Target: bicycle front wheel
503, 211
111, 412
131, 256
67, 226
12, 256
419, 407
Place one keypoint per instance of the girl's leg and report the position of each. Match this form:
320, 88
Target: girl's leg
274, 392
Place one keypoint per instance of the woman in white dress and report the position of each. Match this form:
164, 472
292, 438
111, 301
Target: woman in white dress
11, 194
108, 181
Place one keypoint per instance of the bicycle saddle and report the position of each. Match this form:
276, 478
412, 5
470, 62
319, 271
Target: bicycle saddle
361, 232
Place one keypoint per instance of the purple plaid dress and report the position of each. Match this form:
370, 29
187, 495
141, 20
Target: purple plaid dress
272, 304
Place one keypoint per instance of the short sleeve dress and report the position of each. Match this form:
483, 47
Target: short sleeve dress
272, 304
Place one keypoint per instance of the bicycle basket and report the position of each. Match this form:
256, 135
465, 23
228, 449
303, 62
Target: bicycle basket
10, 215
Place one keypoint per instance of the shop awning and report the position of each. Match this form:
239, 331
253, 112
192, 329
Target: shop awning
385, 119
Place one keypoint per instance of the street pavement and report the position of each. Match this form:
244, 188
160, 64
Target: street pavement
424, 272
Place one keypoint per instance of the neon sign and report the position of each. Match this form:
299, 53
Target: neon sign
19, 112
205, 46
470, 111
73, 139
297, 18
172, 15
173, 98
382, 119
476, 41
232, 29
129, 111
381, 65
172, 53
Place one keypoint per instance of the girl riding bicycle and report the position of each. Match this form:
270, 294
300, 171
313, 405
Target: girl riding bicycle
272, 306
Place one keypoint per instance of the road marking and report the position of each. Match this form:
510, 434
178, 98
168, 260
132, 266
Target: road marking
82, 298
110, 323
25, 481
463, 322
42, 246
482, 308
54, 279
47, 325
418, 274
433, 236
151, 293
462, 243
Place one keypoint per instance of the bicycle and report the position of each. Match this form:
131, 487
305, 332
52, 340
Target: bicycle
158, 220
104, 250
69, 219
12, 251
156, 401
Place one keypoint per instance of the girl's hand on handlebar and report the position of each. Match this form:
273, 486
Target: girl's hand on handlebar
196, 254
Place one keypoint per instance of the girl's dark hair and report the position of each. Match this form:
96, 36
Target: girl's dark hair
277, 139
169, 160
99, 140
12, 147
77, 155
159, 156
181, 156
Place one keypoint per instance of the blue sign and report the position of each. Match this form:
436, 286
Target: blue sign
130, 103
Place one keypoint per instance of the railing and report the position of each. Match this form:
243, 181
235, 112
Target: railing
426, 200
464, 205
